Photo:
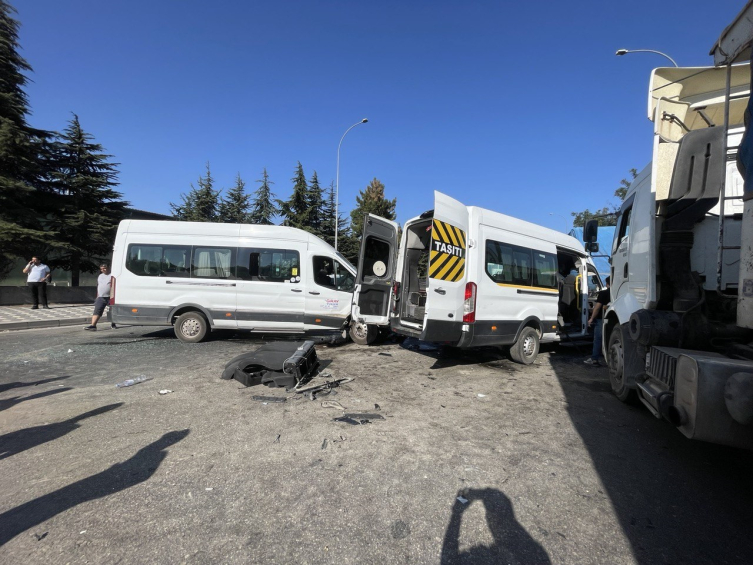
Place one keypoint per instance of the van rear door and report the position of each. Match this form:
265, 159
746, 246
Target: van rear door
448, 272
376, 271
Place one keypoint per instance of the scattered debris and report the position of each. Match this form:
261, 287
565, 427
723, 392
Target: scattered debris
41, 537
209, 488
70, 351
165, 391
481, 395
462, 500
323, 388
324, 443
275, 364
385, 354
377, 407
364, 416
277, 440
266, 399
82, 532
350, 421
332, 404
134, 381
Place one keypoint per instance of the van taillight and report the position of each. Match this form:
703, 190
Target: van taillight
469, 304
112, 290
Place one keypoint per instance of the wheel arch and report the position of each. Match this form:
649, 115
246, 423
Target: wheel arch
530, 322
183, 308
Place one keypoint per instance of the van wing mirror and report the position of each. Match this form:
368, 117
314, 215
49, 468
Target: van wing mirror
592, 247
591, 232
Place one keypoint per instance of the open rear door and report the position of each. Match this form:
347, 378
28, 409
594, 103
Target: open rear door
376, 271
448, 274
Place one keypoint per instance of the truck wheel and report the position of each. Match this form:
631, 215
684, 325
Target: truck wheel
363, 334
526, 348
616, 364
191, 327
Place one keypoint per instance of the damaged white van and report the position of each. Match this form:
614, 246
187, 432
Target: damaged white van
198, 276
467, 277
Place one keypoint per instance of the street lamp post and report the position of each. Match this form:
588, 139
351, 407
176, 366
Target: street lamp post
564, 219
621, 52
337, 182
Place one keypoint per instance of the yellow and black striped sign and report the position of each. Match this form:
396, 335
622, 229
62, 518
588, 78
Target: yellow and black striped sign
447, 258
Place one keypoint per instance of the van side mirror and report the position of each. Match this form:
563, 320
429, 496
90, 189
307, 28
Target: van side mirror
592, 247
591, 232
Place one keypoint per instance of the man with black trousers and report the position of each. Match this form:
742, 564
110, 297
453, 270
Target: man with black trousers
597, 320
38, 275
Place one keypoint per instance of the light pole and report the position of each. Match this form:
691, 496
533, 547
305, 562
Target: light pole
621, 52
563, 219
337, 182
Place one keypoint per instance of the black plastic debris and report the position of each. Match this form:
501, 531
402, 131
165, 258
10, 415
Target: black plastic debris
363, 416
275, 364
322, 389
350, 421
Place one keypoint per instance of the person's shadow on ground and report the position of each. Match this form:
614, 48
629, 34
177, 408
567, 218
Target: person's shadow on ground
19, 384
21, 440
119, 477
512, 543
10, 402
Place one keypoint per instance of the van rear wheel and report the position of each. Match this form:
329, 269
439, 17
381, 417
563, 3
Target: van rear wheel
191, 327
362, 333
526, 349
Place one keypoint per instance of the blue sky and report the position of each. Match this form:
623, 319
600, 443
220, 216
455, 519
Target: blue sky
520, 107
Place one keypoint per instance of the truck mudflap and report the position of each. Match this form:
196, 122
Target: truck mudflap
713, 399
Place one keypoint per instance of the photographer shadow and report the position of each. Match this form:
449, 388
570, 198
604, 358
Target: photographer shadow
512, 543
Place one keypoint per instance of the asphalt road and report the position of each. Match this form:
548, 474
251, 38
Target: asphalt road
551, 468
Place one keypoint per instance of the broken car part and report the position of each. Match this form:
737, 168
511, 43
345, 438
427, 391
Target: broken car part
275, 364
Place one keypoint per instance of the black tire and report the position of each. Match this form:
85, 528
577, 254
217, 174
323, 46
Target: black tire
363, 334
526, 349
191, 327
616, 365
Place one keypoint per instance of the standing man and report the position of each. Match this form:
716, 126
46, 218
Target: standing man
597, 320
38, 275
104, 284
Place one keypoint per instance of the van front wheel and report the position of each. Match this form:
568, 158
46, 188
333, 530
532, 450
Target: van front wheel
362, 333
526, 349
191, 327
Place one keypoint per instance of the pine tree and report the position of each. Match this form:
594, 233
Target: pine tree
23, 157
296, 210
371, 201
200, 204
234, 208
328, 217
263, 208
91, 209
315, 206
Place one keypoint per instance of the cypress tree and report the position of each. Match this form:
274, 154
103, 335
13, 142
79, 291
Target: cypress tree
90, 208
234, 208
23, 157
263, 208
315, 206
200, 204
328, 217
296, 210
371, 200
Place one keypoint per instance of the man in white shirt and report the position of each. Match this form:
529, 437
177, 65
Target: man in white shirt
104, 285
38, 275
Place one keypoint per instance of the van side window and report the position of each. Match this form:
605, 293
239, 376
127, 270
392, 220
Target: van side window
213, 263
331, 274
158, 260
269, 265
544, 269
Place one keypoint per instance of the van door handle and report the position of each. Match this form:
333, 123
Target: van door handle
440, 291
297, 289
312, 292
625, 271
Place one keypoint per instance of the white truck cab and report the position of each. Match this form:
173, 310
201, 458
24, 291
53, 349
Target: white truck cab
466, 277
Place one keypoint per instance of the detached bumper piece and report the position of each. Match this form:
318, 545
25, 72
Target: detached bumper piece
276, 364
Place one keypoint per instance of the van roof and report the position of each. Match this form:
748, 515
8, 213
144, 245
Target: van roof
218, 229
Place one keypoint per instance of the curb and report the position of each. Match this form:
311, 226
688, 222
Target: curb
44, 324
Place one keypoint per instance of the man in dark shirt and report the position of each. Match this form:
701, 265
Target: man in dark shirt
597, 321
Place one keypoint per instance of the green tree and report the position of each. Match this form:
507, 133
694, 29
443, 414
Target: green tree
235, 205
315, 206
25, 199
90, 208
371, 200
607, 216
200, 204
296, 210
328, 217
263, 208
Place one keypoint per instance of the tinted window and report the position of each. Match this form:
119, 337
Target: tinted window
376, 252
544, 269
213, 263
331, 274
158, 260
269, 265
508, 264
